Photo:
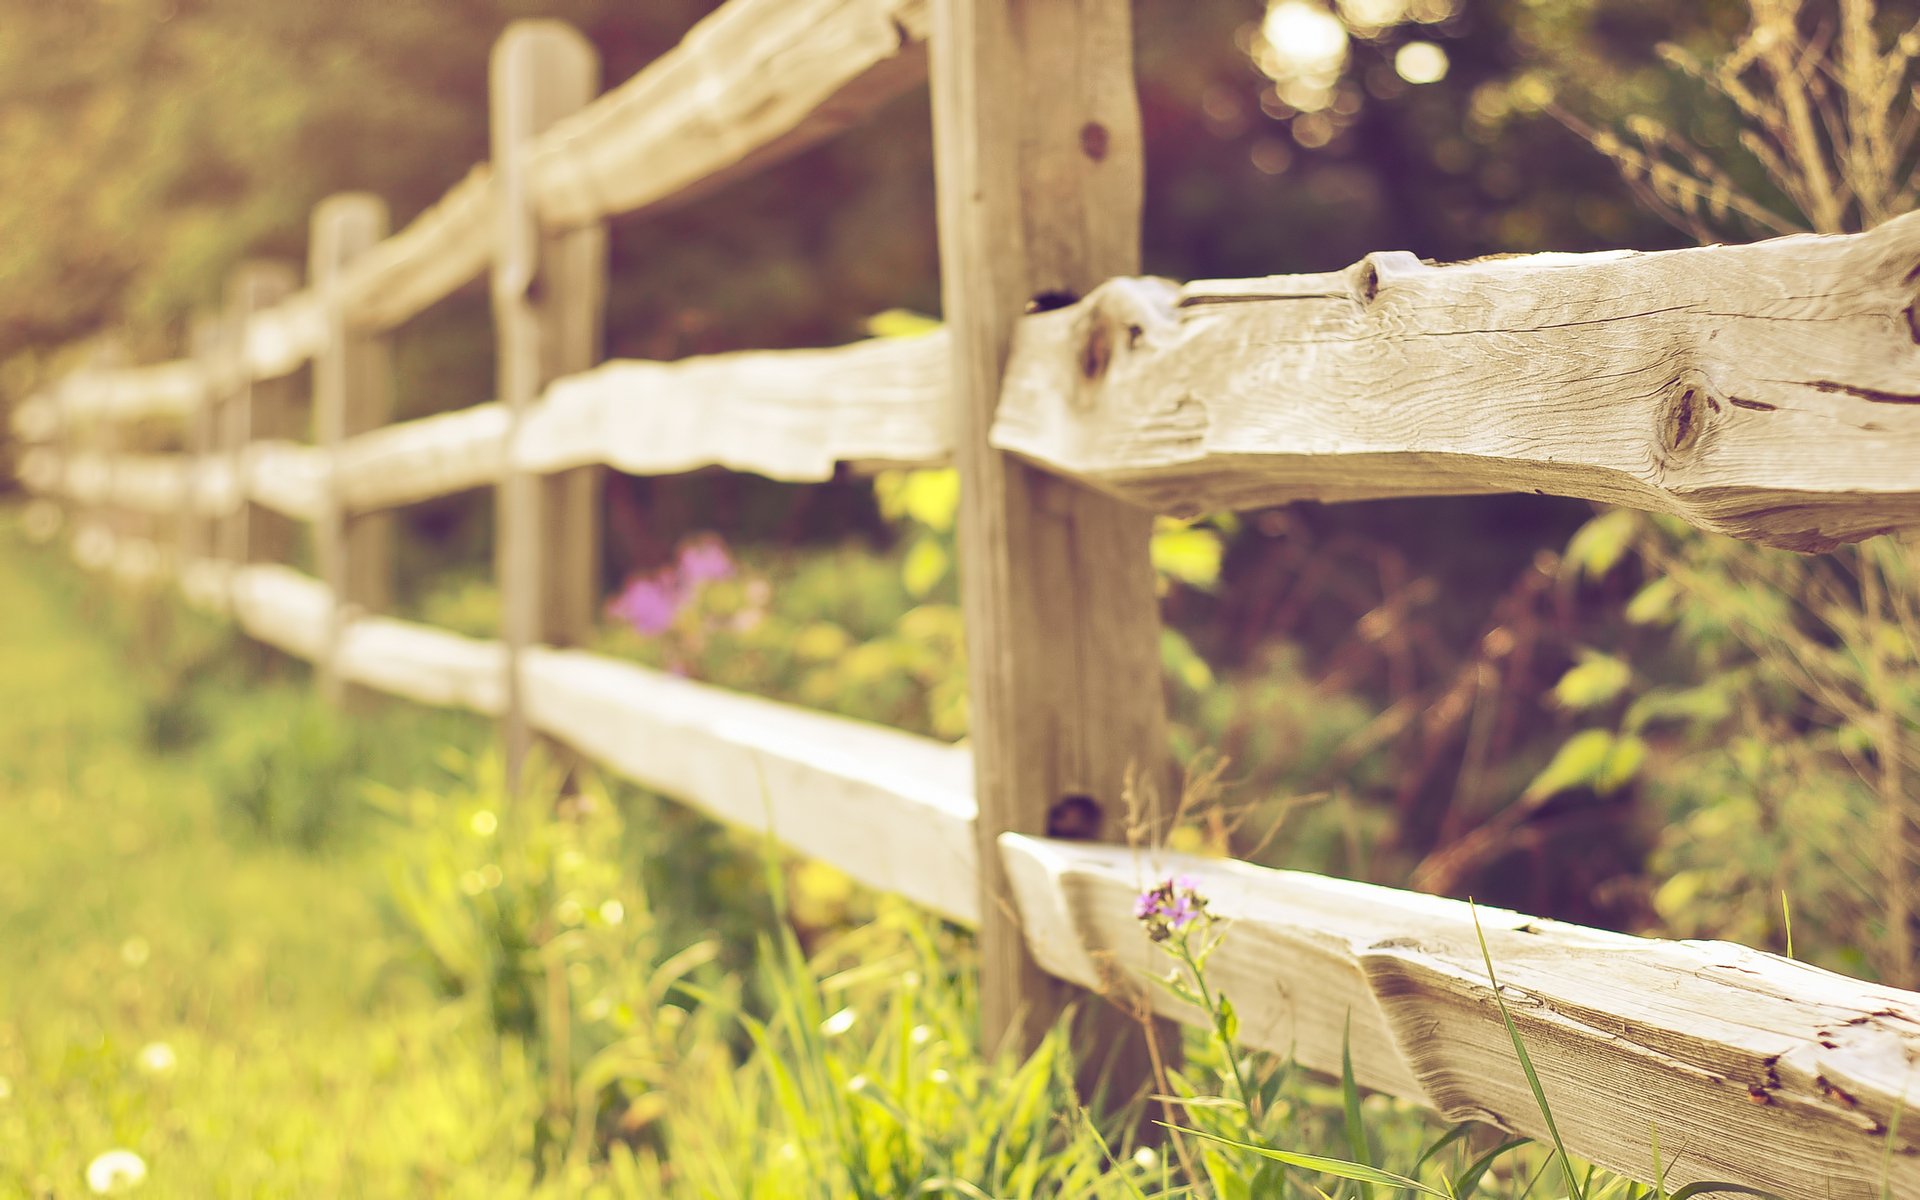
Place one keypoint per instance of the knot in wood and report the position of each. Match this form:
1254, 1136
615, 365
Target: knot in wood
1094, 140
1076, 817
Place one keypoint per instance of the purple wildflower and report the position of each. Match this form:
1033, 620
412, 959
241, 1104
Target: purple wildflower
1169, 907
650, 604
704, 559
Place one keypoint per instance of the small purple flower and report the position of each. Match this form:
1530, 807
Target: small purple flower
650, 604
1170, 906
704, 559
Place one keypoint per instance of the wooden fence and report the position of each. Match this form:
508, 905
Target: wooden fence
1769, 391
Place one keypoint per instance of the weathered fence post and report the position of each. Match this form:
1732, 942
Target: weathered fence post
1038, 155
548, 294
352, 393
254, 409
196, 441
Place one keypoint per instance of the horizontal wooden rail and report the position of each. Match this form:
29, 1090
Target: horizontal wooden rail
891, 809
790, 415
752, 83
1748, 1067
1769, 391
785, 414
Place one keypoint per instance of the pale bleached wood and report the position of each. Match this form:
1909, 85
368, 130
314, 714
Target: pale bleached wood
417, 460
167, 390
424, 664
1769, 391
282, 607
893, 810
1039, 181
752, 83
785, 414
253, 410
546, 548
442, 249
1754, 1069
286, 477
352, 393
283, 338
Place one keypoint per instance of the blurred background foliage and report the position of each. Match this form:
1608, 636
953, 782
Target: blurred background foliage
1585, 716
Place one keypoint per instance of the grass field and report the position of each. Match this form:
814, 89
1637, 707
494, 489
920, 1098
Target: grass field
219, 1008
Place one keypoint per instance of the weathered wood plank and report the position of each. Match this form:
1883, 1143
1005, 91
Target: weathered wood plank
1769, 391
785, 414
282, 607
424, 664
1754, 1069
891, 809
257, 410
286, 477
545, 549
352, 393
417, 460
442, 249
1039, 183
752, 83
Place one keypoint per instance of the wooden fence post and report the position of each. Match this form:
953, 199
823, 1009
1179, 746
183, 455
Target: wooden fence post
352, 393
548, 298
1038, 154
253, 410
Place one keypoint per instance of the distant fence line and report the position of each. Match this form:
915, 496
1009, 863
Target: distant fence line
1766, 391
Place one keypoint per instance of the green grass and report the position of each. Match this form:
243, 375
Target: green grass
129, 917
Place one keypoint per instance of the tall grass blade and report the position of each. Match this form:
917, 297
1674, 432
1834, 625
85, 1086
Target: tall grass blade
1338, 1168
1526, 1061
1357, 1141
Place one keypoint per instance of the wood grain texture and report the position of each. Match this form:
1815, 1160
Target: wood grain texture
1769, 391
752, 83
785, 414
1039, 183
1755, 1069
893, 810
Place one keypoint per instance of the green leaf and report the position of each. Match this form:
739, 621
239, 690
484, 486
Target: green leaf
1189, 554
1623, 762
901, 322
1576, 764
1593, 758
1182, 662
1599, 545
1338, 1168
1654, 603
1229, 1023
1596, 680
925, 566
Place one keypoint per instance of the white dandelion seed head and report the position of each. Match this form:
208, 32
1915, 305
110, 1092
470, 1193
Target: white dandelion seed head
157, 1058
116, 1172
